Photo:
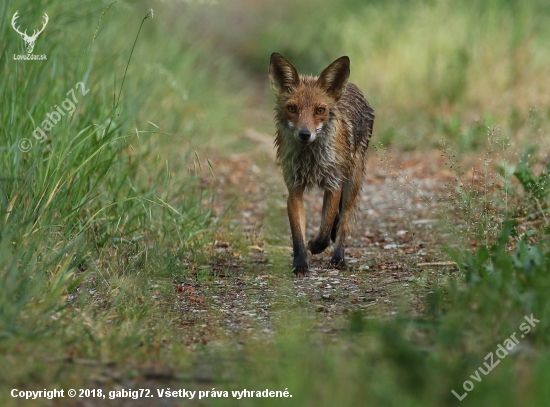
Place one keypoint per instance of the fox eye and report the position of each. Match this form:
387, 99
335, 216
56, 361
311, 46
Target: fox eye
320, 110
291, 108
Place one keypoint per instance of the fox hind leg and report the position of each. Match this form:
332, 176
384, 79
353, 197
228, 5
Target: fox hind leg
336, 221
348, 205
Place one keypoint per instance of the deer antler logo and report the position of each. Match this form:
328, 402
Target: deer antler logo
29, 40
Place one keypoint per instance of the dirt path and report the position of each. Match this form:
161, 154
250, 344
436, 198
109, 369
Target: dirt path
248, 287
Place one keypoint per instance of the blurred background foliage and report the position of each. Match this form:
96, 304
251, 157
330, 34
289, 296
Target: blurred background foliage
431, 69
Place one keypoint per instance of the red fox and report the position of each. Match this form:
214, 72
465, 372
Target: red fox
324, 125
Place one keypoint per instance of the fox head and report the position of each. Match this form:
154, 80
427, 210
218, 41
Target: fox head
306, 104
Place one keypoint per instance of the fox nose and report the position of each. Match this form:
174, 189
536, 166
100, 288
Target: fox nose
304, 134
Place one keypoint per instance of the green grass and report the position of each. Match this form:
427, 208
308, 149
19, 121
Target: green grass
101, 218
99, 214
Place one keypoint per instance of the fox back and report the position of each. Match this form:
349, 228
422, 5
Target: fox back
324, 124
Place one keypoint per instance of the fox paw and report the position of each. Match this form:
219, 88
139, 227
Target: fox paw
301, 272
338, 263
300, 267
317, 246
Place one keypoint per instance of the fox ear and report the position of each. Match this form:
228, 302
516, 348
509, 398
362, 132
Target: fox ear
283, 76
334, 78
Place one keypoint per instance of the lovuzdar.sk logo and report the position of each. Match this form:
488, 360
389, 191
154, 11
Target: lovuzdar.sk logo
29, 40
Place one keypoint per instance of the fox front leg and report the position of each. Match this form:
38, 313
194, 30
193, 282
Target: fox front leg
331, 202
297, 218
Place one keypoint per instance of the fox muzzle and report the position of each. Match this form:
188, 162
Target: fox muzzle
304, 134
